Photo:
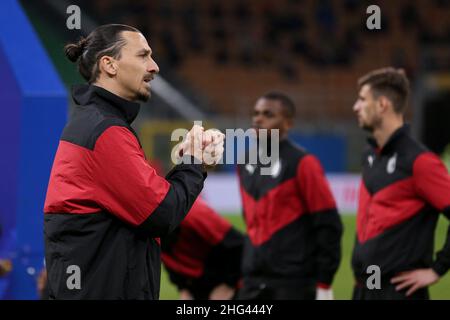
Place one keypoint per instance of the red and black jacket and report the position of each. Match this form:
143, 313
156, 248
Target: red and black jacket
203, 252
404, 187
106, 207
293, 226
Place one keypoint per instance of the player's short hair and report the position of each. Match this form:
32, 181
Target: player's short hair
389, 82
286, 102
105, 40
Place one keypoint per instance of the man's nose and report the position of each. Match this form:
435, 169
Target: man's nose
153, 67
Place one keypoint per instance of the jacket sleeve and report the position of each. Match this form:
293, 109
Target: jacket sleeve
223, 262
206, 223
319, 202
128, 187
204, 231
179, 280
432, 182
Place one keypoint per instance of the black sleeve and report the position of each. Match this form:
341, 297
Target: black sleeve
328, 230
180, 281
432, 183
186, 183
316, 193
442, 263
223, 264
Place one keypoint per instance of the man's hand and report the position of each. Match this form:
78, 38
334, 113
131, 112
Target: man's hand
222, 292
193, 143
415, 279
213, 147
324, 294
205, 146
185, 295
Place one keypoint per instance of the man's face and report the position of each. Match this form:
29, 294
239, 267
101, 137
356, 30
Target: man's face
269, 114
136, 67
367, 110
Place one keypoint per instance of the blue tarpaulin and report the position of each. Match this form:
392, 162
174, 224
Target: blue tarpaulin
33, 103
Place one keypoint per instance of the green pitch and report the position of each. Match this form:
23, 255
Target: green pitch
343, 282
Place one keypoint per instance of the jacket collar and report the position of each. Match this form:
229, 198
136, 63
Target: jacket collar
86, 94
392, 141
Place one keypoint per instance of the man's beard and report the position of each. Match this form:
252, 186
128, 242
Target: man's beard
367, 127
143, 96
370, 127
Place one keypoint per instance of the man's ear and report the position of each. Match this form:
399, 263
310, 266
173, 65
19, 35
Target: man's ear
287, 124
108, 65
384, 103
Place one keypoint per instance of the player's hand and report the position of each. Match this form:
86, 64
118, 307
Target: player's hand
205, 146
222, 292
185, 295
192, 144
414, 280
213, 147
324, 294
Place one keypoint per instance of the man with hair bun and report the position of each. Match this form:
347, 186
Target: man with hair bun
106, 207
404, 188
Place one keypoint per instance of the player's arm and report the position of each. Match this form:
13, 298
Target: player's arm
181, 281
432, 183
129, 187
225, 242
317, 196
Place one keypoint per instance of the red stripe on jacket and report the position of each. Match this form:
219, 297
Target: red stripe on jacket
403, 199
115, 177
200, 231
307, 192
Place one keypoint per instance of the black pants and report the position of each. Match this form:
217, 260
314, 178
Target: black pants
269, 289
388, 292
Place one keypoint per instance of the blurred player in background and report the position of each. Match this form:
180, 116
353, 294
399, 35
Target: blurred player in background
404, 187
294, 229
203, 255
